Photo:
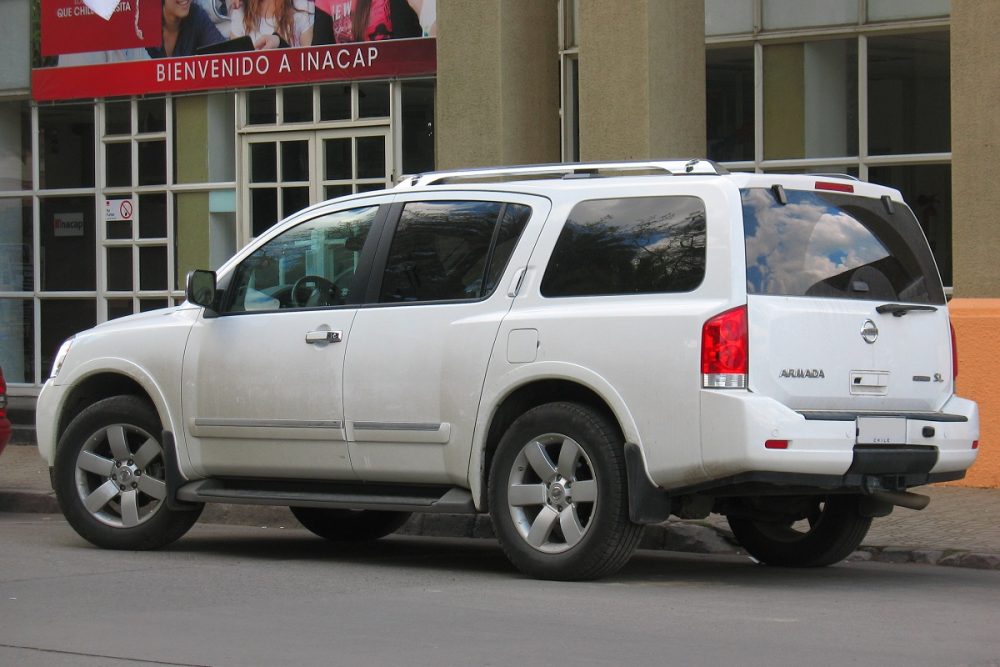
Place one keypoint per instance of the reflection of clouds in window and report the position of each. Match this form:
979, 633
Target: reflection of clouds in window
793, 247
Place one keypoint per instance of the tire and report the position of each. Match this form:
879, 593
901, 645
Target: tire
110, 477
834, 531
349, 525
558, 494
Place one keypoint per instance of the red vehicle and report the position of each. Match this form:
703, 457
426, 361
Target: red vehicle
4, 422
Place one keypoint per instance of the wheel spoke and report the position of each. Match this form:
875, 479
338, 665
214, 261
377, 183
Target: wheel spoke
93, 463
100, 497
116, 438
146, 453
152, 487
569, 453
539, 460
541, 529
570, 524
520, 495
130, 508
585, 491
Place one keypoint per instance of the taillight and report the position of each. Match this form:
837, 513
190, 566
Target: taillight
954, 352
725, 350
3, 395
834, 187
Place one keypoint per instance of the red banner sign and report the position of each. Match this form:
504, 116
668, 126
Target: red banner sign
69, 26
367, 60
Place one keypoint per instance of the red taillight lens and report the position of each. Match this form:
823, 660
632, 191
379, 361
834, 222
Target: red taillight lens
975, 444
954, 353
725, 350
776, 444
834, 187
3, 395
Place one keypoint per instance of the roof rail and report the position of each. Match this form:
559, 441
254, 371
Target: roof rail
668, 167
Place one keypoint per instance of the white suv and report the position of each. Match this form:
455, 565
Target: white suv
575, 349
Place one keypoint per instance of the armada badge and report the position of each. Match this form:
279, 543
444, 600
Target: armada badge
869, 331
809, 373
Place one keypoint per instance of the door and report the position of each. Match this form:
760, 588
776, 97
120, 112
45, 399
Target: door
419, 350
263, 380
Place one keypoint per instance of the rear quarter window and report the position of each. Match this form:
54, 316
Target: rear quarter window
635, 245
836, 246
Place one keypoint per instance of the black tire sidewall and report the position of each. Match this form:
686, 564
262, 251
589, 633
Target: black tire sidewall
338, 525
162, 528
611, 537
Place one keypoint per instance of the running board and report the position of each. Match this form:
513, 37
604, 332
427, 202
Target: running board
339, 495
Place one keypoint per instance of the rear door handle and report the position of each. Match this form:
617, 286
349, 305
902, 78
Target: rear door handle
324, 336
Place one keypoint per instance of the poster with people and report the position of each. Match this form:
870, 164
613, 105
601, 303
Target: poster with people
232, 43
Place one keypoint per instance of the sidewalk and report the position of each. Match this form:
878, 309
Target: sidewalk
959, 528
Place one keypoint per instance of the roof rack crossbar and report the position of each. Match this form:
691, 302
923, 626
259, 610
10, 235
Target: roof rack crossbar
672, 167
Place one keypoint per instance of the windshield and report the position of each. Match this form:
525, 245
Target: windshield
834, 245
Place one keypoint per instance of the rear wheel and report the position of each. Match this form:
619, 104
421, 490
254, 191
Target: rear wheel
339, 525
558, 494
829, 530
110, 477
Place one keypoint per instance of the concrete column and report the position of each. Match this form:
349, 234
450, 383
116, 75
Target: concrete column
975, 128
642, 79
497, 82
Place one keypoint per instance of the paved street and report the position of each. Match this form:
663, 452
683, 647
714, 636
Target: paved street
233, 595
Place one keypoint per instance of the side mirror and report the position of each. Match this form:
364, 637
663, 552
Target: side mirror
201, 288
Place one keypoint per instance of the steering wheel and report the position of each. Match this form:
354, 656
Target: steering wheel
317, 287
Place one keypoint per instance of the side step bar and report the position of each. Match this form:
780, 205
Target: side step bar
336, 495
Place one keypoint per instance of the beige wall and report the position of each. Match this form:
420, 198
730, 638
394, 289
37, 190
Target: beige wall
642, 79
191, 113
497, 82
975, 146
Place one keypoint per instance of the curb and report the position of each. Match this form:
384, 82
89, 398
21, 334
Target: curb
674, 535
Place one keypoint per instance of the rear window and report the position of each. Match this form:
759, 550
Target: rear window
837, 246
636, 245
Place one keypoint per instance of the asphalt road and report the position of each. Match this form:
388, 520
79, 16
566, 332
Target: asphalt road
227, 595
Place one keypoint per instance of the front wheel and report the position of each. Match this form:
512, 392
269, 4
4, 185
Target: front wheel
339, 525
558, 494
830, 529
110, 477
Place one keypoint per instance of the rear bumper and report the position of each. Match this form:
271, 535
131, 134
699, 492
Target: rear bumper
736, 424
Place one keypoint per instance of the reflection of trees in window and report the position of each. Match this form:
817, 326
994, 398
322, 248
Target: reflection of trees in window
636, 246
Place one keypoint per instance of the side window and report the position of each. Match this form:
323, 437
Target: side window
638, 245
448, 250
311, 265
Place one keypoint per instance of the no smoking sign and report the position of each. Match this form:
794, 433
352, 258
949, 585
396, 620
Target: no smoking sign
116, 210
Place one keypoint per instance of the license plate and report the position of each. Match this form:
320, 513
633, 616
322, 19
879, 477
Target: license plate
881, 430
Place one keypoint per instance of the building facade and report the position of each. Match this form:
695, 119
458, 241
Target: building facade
899, 92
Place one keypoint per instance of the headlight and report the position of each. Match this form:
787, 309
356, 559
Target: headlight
61, 357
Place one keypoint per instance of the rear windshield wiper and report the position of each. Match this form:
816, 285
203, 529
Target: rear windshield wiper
900, 309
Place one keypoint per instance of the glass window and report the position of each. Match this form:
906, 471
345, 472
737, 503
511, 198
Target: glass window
782, 14
119, 269
730, 103
60, 319
153, 216
16, 243
118, 164
835, 246
439, 251
119, 308
262, 107
15, 146
118, 117
894, 10
297, 105
909, 96
67, 244
152, 162
515, 217
811, 99
152, 115
373, 100
263, 209
153, 268
418, 126
17, 340
371, 157
309, 266
927, 189
66, 144
335, 102
725, 17
637, 245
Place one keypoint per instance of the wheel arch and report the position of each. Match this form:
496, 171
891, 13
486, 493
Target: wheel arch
586, 388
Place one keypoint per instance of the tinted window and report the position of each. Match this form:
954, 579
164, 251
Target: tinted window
311, 265
443, 250
838, 246
638, 245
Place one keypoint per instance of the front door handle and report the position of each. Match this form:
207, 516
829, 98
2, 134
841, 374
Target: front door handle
324, 336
